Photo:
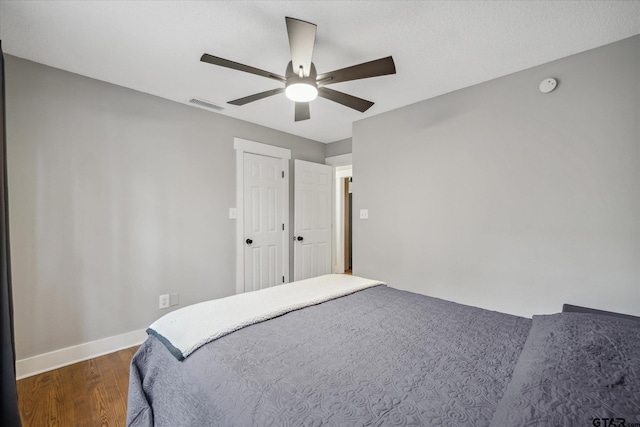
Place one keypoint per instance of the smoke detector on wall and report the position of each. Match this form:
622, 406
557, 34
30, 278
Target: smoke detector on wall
548, 85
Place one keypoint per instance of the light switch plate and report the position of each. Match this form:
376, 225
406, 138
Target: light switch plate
364, 213
233, 213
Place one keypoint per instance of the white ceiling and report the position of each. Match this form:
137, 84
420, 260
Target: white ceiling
438, 46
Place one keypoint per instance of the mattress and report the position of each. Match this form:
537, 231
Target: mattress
381, 356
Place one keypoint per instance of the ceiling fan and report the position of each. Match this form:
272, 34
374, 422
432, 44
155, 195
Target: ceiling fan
302, 84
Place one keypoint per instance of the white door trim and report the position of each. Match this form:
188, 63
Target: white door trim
284, 154
341, 160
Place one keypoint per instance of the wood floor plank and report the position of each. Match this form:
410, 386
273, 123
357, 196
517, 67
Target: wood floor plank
102, 405
122, 370
77, 391
44, 403
115, 394
90, 393
29, 392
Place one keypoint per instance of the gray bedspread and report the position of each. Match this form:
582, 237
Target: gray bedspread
377, 357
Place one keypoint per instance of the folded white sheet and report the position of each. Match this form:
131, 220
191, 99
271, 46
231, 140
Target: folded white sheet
185, 330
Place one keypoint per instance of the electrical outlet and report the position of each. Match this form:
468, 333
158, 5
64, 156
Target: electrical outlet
164, 301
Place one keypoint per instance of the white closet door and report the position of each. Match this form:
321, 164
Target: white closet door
263, 222
312, 218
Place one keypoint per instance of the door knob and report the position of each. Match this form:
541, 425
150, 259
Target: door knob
249, 241
300, 238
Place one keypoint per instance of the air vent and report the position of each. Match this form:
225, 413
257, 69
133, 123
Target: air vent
205, 104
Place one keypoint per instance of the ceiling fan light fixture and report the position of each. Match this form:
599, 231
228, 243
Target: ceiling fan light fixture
301, 81
301, 91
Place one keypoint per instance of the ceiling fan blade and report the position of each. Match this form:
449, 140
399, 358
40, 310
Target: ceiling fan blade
302, 111
256, 97
379, 67
240, 67
350, 101
302, 37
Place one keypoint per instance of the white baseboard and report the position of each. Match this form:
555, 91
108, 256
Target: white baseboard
77, 353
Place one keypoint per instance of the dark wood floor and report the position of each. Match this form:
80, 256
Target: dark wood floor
90, 393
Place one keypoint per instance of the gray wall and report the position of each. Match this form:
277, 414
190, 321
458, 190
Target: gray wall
502, 197
338, 148
116, 197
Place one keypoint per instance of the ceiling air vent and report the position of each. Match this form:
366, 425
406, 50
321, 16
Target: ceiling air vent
205, 104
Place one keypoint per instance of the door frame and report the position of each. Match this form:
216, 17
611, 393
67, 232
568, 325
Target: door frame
243, 146
342, 168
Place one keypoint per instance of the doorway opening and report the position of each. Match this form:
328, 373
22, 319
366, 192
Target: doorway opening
343, 224
348, 225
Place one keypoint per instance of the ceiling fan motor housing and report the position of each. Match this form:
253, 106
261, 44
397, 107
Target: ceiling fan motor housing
301, 88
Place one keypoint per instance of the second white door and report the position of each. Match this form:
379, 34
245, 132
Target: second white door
312, 220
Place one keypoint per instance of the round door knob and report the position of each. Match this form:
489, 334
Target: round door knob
300, 238
249, 241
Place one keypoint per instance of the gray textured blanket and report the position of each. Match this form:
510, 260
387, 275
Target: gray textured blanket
377, 357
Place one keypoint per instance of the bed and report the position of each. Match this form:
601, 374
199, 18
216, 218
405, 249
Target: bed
374, 355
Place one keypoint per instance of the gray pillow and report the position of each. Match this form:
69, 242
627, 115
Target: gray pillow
574, 370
